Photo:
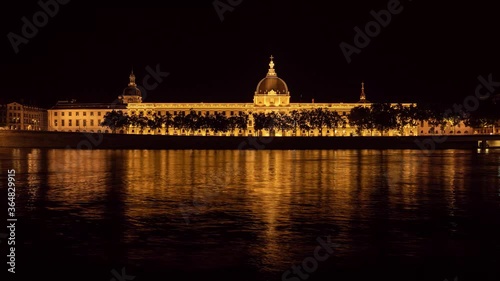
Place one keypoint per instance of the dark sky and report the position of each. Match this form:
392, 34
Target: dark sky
429, 52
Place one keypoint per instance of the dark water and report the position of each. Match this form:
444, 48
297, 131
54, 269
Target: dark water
252, 215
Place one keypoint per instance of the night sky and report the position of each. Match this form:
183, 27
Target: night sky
429, 52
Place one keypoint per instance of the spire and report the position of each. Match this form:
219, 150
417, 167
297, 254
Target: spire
132, 79
362, 97
271, 71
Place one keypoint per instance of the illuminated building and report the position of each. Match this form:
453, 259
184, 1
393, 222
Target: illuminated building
16, 116
271, 95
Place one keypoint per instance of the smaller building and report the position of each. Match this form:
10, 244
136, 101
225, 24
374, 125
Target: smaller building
70, 116
17, 116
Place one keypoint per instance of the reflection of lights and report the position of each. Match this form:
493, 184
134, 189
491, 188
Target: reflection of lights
485, 151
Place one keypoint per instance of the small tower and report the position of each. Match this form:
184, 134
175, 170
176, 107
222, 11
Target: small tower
362, 97
131, 94
271, 72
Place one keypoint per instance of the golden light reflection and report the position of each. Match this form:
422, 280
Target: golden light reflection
278, 196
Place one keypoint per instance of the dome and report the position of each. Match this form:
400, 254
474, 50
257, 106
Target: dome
132, 89
272, 84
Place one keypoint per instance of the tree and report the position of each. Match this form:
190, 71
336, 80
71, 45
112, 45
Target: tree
207, 122
242, 121
383, 116
180, 121
259, 121
221, 123
115, 120
285, 123
360, 118
156, 122
192, 121
167, 121
406, 116
305, 122
320, 119
295, 120
335, 121
271, 122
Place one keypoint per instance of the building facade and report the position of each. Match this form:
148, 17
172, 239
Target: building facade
16, 116
271, 95
70, 116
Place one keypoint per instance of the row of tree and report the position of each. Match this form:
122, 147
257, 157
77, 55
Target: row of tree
380, 117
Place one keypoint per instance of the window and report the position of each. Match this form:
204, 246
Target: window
92, 122
232, 113
175, 112
199, 112
77, 123
84, 113
55, 113
70, 123
91, 113
84, 123
62, 113
77, 113
98, 113
69, 113
62, 123
10, 114
55, 123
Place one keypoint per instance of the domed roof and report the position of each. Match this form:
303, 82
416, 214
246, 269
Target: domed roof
132, 89
272, 84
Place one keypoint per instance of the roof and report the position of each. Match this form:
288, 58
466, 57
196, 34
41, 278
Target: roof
74, 105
